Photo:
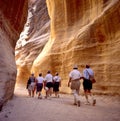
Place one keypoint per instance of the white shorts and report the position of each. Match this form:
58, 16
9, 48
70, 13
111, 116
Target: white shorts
31, 86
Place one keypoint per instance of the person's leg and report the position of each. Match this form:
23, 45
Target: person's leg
86, 96
51, 91
78, 97
48, 90
75, 97
57, 89
57, 94
75, 86
85, 86
92, 98
47, 93
32, 93
38, 94
29, 92
33, 89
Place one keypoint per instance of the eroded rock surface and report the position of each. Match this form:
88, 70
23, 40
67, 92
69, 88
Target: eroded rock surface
33, 39
13, 15
82, 32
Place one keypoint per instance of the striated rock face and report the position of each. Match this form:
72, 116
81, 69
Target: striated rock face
12, 18
82, 32
33, 39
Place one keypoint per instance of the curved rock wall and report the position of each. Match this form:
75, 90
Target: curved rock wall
12, 18
33, 39
81, 32
84, 32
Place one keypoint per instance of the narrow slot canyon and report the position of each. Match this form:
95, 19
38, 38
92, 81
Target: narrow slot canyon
41, 35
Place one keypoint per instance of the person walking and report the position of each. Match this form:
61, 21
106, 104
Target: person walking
31, 85
74, 79
56, 84
39, 84
87, 84
48, 84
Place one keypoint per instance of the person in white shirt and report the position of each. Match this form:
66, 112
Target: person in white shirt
87, 84
48, 84
56, 84
74, 79
39, 83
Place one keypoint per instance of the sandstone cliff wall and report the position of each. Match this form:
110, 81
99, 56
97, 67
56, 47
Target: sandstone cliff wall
81, 32
84, 32
12, 18
32, 40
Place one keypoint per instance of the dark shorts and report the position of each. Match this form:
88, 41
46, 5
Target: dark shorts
39, 87
56, 86
49, 84
87, 84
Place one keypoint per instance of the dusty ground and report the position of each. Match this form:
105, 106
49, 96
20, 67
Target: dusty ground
24, 108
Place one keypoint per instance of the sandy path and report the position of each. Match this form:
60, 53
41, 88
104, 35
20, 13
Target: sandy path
24, 108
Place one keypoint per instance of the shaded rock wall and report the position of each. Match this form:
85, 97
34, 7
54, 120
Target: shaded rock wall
33, 39
12, 18
81, 32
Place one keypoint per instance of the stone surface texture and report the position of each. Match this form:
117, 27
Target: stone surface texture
81, 32
57, 35
12, 18
33, 39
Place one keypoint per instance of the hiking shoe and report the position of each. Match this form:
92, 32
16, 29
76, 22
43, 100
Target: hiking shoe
87, 103
46, 97
94, 102
74, 103
40, 97
78, 103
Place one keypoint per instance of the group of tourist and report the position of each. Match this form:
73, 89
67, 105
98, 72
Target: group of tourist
74, 80
52, 83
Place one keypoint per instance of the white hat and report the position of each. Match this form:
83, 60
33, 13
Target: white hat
75, 67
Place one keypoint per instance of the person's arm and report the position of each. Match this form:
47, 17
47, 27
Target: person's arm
60, 81
85, 74
53, 79
69, 81
81, 77
28, 83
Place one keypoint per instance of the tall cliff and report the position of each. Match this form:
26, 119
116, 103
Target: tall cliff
33, 39
13, 15
81, 32
86, 32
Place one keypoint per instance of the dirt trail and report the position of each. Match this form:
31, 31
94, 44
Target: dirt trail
24, 108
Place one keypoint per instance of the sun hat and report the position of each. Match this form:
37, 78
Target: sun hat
75, 67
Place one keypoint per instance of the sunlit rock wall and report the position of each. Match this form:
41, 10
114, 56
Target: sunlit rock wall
12, 18
32, 40
84, 32
81, 32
